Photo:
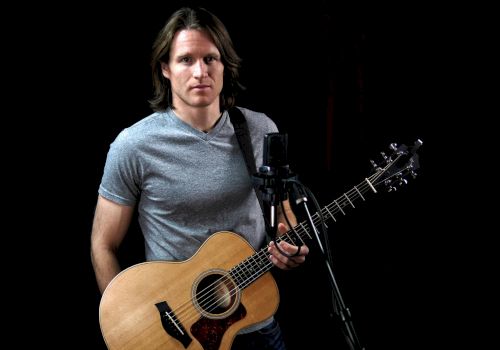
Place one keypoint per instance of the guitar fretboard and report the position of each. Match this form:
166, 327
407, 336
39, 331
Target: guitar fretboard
257, 264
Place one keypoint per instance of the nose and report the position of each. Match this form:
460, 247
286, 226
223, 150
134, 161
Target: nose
200, 69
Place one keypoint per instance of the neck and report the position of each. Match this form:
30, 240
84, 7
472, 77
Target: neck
201, 118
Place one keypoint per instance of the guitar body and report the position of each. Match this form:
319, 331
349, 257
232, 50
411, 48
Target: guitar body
163, 305
202, 303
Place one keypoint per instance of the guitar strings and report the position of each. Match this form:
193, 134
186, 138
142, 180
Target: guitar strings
206, 299
259, 263
211, 304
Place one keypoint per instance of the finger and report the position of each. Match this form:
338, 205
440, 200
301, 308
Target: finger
304, 250
293, 249
290, 249
282, 259
279, 263
282, 228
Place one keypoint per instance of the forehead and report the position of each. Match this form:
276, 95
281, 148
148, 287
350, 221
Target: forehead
192, 41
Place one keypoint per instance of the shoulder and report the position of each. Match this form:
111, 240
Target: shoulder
258, 120
141, 130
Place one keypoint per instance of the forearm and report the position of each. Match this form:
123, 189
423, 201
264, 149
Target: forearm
110, 225
105, 264
286, 209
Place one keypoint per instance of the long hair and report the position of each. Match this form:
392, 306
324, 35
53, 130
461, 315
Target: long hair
198, 19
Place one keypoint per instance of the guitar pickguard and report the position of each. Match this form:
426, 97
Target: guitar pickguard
209, 332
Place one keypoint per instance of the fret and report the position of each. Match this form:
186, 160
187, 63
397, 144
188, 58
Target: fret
305, 230
363, 198
330, 213
345, 195
335, 201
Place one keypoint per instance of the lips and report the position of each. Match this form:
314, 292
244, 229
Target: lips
201, 87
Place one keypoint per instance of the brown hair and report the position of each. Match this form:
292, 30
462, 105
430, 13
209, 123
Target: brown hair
199, 19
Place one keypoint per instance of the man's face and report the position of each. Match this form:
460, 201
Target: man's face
194, 69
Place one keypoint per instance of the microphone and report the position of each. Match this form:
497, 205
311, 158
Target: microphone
276, 163
275, 168
275, 149
273, 174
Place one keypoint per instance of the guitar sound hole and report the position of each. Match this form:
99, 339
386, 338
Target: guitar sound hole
216, 295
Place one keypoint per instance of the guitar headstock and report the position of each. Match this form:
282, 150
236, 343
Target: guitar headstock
401, 162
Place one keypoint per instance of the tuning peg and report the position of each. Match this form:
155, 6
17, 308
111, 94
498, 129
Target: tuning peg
392, 188
393, 146
383, 155
413, 174
374, 165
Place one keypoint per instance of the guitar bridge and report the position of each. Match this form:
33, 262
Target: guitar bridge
172, 325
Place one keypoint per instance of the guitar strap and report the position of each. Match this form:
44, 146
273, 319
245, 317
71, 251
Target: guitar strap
243, 136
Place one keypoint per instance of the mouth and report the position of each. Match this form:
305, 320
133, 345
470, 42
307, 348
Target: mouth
201, 87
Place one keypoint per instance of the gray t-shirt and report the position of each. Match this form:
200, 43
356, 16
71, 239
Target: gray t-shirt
187, 184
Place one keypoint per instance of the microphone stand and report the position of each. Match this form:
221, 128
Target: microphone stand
342, 310
274, 186
273, 180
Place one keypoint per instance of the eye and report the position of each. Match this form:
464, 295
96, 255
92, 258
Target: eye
185, 59
210, 59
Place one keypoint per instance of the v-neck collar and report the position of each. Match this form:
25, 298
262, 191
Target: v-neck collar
207, 136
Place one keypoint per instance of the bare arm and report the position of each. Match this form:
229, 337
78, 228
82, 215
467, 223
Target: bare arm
287, 209
111, 222
278, 259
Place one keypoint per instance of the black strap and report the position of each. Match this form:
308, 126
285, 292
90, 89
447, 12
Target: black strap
243, 136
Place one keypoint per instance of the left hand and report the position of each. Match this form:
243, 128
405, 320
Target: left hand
282, 261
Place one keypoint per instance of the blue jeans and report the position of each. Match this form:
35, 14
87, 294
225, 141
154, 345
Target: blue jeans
267, 338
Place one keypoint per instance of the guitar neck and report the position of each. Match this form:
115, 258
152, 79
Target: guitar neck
257, 264
214, 313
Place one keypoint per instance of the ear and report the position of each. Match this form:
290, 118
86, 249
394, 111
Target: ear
165, 70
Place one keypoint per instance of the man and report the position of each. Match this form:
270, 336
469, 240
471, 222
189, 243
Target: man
182, 167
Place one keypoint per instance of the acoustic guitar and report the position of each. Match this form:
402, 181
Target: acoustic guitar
226, 286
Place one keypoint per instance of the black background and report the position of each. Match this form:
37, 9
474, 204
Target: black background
344, 81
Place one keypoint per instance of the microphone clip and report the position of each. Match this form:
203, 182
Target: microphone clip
273, 183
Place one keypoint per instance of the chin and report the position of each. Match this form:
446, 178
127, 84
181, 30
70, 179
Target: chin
203, 103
